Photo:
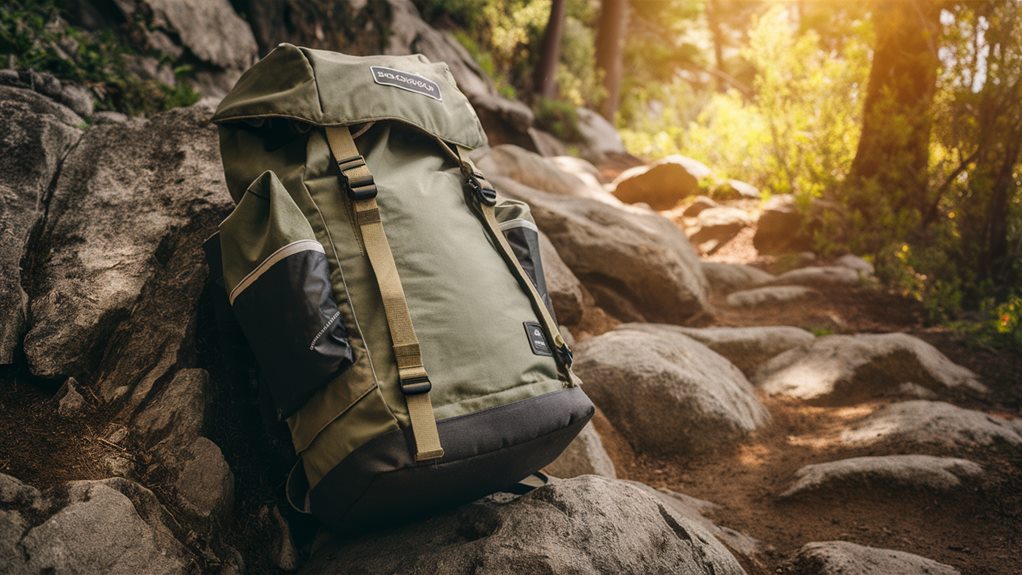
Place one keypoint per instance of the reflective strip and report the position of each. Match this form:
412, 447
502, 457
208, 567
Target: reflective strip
289, 249
518, 223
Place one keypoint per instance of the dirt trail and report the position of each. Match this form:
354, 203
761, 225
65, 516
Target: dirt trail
978, 529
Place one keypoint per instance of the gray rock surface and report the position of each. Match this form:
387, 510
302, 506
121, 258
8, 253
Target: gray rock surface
748, 348
780, 227
537, 172
581, 169
718, 225
818, 276
856, 263
564, 288
203, 483
584, 456
725, 278
844, 558
667, 393
933, 426
70, 402
178, 411
635, 263
756, 297
849, 368
107, 526
663, 183
598, 137
131, 208
919, 473
35, 135
586, 525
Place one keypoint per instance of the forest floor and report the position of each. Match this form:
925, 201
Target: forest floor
978, 529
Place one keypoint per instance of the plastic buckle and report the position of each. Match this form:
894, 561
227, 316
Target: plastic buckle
416, 385
362, 188
486, 195
567, 357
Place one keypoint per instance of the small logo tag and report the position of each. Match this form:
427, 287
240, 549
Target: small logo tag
406, 81
537, 339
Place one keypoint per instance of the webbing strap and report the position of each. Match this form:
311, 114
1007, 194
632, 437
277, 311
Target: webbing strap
489, 217
413, 379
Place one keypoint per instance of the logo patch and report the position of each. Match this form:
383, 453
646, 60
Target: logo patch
406, 81
537, 340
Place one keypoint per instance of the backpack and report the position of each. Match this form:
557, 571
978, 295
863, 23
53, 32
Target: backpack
395, 305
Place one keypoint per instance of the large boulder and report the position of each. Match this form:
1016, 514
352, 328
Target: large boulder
597, 136
667, 393
637, 264
537, 172
564, 288
842, 369
718, 225
748, 348
781, 227
584, 525
662, 184
585, 455
933, 426
844, 558
35, 135
122, 246
917, 473
106, 526
725, 278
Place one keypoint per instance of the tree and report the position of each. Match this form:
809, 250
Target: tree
610, 37
886, 188
545, 76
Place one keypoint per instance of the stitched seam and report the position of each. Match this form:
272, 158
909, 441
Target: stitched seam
329, 323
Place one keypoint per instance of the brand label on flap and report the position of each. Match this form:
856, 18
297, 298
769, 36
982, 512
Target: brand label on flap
406, 81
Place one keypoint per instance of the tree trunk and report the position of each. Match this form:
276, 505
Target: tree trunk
713, 21
893, 152
610, 36
544, 81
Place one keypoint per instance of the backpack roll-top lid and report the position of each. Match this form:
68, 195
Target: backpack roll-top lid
332, 89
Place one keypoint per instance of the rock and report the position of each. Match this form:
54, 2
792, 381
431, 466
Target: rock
770, 295
855, 263
14, 492
178, 412
918, 473
108, 526
718, 225
564, 288
597, 136
203, 483
842, 369
699, 205
584, 456
749, 347
35, 135
581, 169
667, 393
546, 144
818, 276
108, 117
70, 402
536, 172
737, 190
935, 425
624, 256
779, 228
285, 556
725, 278
662, 184
844, 558
584, 525
696, 510
120, 265
210, 30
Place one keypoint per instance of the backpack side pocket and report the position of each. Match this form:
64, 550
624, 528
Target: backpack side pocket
520, 229
278, 283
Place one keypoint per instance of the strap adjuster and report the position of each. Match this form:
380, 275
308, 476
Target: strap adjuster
360, 188
416, 385
483, 189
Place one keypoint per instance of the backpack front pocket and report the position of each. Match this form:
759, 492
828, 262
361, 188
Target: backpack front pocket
520, 229
278, 283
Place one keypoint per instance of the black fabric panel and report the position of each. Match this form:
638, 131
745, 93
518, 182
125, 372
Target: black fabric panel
290, 319
525, 244
484, 452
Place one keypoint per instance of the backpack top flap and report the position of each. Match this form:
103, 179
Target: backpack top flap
330, 89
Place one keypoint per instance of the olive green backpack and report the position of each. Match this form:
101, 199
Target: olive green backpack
395, 306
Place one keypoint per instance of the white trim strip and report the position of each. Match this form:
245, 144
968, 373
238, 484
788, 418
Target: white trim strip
518, 223
283, 252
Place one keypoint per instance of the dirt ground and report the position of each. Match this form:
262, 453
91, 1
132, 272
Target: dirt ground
978, 530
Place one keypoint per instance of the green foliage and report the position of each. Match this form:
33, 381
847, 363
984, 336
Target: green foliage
558, 117
34, 36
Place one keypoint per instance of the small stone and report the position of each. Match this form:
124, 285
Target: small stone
855, 263
204, 484
919, 473
844, 558
770, 295
70, 402
933, 425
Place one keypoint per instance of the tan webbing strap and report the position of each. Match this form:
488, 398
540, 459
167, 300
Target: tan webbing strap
414, 380
562, 352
